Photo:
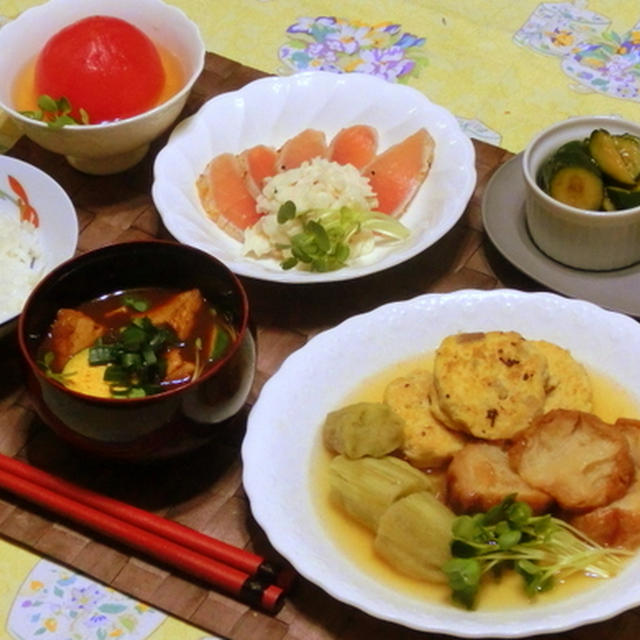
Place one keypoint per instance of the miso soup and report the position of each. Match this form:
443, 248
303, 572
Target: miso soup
135, 343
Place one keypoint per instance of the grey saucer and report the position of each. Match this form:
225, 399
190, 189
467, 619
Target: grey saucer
504, 221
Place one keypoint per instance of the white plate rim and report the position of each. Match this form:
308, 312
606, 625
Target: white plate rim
286, 395
176, 199
58, 228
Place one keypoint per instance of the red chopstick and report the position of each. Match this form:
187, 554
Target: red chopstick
233, 570
228, 554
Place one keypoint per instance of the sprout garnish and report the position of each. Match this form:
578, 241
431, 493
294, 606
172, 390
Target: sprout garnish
323, 244
56, 113
542, 549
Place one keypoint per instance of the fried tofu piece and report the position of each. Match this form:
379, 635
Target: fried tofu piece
480, 477
575, 457
71, 332
618, 523
177, 367
427, 442
630, 429
568, 385
491, 385
179, 312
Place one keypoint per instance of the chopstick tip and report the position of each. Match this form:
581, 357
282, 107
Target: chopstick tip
272, 598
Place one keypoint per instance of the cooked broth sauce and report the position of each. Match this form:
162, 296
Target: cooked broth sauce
197, 336
610, 401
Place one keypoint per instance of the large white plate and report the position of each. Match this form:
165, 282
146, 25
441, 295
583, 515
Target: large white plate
284, 426
271, 110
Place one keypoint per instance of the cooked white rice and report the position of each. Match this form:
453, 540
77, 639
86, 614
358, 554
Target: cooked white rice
21, 263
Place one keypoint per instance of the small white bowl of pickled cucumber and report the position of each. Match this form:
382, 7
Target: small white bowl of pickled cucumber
582, 201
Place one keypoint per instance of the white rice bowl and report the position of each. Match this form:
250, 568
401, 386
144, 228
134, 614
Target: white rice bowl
28, 253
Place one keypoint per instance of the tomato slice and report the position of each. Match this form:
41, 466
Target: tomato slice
101, 64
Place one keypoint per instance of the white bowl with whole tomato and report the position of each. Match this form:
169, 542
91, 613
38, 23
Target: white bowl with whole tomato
103, 79
582, 203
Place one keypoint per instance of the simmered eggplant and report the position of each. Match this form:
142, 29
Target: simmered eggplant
366, 487
414, 536
363, 429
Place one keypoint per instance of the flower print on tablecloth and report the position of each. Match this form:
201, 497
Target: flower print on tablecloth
55, 603
610, 66
476, 129
557, 28
591, 54
383, 50
334, 44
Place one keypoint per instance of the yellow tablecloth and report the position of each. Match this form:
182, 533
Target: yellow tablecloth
505, 69
41, 599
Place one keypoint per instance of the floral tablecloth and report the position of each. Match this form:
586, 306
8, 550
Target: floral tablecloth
505, 69
41, 599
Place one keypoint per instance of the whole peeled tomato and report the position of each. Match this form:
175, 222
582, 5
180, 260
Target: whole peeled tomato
101, 64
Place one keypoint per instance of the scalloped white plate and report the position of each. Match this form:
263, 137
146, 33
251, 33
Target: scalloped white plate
284, 427
58, 228
271, 110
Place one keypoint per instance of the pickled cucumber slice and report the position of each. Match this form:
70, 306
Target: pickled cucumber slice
623, 198
570, 175
366, 487
629, 148
414, 536
617, 155
577, 187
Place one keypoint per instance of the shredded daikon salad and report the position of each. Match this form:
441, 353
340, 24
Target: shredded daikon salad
319, 217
